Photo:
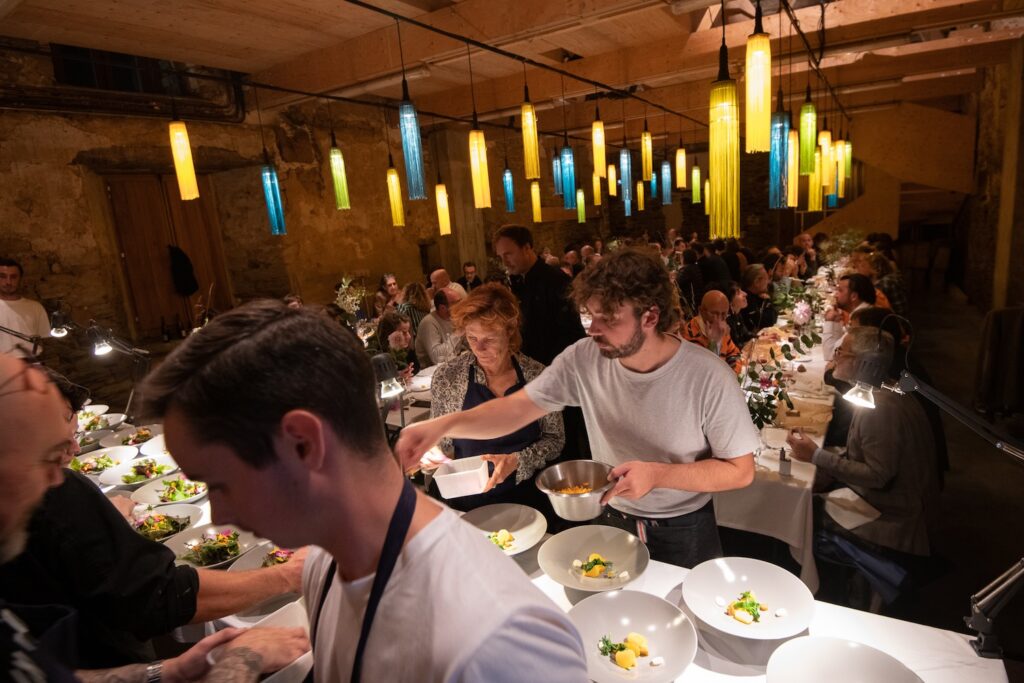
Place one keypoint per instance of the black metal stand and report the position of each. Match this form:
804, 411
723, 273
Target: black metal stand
34, 340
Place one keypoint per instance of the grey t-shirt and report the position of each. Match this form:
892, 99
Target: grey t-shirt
689, 409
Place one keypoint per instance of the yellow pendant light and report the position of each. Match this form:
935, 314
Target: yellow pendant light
581, 206
695, 183
640, 195
531, 149
613, 181
443, 216
395, 195
825, 168
646, 154
808, 134
597, 135
793, 170
680, 166
724, 151
535, 200
188, 187
477, 151
759, 87
814, 184
849, 157
707, 197
840, 166
597, 190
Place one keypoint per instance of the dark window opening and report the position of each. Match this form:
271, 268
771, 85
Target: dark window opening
86, 68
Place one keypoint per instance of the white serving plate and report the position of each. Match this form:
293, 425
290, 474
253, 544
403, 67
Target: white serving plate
94, 439
117, 438
154, 447
812, 659
526, 525
150, 493
92, 409
670, 635
722, 580
112, 476
624, 550
252, 616
179, 544
119, 454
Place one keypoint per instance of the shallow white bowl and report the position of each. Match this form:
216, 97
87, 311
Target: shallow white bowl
150, 493
813, 659
624, 550
722, 581
154, 447
112, 476
93, 439
526, 525
256, 613
119, 454
91, 409
193, 512
179, 544
670, 635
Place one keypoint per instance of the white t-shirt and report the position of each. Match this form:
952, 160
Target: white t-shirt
689, 409
456, 610
25, 316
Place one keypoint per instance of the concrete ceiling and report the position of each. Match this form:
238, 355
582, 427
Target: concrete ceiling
878, 52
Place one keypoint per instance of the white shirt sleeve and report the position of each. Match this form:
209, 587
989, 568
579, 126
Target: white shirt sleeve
529, 646
556, 386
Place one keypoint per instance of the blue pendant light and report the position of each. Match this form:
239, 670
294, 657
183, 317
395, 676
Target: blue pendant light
556, 171
408, 123
778, 157
510, 197
654, 184
271, 187
666, 182
626, 179
568, 176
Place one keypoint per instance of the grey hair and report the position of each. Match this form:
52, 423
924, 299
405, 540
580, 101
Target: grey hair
868, 339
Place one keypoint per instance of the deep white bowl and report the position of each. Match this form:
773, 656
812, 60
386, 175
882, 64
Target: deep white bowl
813, 659
624, 550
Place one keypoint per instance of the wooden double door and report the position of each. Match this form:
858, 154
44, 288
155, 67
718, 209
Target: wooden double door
149, 217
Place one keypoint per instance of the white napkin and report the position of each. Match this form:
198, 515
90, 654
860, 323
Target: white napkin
848, 509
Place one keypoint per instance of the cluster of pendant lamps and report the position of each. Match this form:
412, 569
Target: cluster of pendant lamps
793, 152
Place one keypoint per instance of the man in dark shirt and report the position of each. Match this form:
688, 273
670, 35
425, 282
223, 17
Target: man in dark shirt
551, 322
712, 268
470, 279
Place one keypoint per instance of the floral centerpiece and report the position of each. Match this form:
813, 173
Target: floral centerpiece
348, 297
764, 379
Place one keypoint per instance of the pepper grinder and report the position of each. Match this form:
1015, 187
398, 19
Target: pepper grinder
785, 464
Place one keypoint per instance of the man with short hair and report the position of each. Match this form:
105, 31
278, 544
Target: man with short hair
302, 459
852, 292
469, 280
435, 340
710, 329
572, 260
18, 313
889, 459
806, 242
550, 321
440, 279
36, 436
667, 416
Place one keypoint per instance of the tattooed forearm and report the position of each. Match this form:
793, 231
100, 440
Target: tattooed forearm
134, 673
238, 665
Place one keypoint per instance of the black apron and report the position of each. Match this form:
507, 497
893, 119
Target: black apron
507, 491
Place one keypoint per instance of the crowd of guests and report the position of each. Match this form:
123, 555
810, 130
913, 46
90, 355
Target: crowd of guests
519, 381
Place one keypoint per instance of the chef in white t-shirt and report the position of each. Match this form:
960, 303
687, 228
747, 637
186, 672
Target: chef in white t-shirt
668, 416
16, 312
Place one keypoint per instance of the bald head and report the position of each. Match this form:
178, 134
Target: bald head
440, 278
714, 306
34, 434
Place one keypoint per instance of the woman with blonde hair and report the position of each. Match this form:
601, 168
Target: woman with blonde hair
493, 367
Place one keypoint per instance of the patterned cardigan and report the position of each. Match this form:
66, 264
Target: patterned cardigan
449, 386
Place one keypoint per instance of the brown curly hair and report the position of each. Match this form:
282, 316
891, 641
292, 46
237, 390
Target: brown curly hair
494, 307
630, 276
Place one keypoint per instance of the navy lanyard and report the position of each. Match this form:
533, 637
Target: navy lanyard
393, 542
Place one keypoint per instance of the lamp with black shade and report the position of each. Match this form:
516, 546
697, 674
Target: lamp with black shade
389, 389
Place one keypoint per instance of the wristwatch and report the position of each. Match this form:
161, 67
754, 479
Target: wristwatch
154, 672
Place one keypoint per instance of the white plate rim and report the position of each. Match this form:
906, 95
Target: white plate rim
518, 546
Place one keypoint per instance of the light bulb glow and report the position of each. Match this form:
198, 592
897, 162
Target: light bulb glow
597, 190
724, 160
478, 169
531, 151
613, 181
188, 187
395, 198
535, 200
793, 169
681, 168
597, 138
759, 93
444, 219
339, 179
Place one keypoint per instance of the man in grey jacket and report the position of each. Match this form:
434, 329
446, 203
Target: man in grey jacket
435, 340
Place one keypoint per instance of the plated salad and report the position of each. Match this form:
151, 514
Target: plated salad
144, 469
177, 490
93, 465
597, 567
157, 527
503, 539
277, 556
214, 549
137, 437
90, 423
625, 654
747, 610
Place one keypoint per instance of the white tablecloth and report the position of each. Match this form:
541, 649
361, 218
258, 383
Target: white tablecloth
936, 656
777, 506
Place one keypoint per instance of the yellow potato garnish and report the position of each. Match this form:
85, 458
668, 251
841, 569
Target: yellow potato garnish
637, 643
575, 490
595, 556
595, 571
625, 658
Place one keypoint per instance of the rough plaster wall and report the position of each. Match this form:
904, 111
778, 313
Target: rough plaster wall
877, 210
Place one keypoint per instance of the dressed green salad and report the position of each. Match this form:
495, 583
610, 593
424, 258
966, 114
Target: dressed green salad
144, 469
180, 489
213, 549
157, 527
93, 466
